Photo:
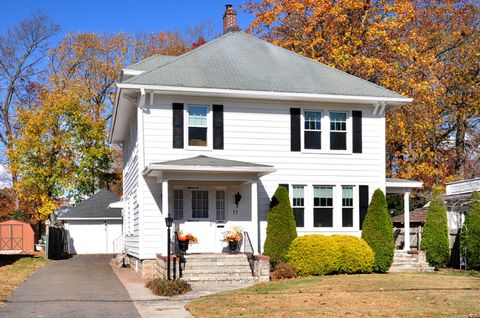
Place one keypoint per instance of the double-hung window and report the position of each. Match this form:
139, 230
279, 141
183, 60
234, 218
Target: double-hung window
312, 137
178, 204
338, 131
298, 201
347, 206
197, 125
199, 204
322, 206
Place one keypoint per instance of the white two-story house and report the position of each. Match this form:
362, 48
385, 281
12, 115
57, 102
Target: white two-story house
208, 137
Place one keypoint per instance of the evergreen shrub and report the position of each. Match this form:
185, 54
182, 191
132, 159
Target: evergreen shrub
378, 232
314, 255
470, 238
281, 228
356, 256
435, 238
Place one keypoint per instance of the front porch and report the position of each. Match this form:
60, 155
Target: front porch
208, 196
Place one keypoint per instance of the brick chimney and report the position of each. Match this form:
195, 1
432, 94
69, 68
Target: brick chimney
230, 19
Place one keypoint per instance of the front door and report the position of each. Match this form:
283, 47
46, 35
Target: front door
203, 217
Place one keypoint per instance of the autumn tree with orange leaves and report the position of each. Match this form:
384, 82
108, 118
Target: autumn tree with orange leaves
427, 50
62, 146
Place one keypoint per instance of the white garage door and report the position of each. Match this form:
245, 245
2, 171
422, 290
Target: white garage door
93, 237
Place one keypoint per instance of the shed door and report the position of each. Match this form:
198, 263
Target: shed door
11, 236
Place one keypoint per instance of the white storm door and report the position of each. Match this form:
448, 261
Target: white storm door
199, 215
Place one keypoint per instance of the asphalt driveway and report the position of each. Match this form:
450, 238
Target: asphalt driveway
82, 286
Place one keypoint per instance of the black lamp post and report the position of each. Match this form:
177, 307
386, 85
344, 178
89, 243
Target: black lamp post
168, 222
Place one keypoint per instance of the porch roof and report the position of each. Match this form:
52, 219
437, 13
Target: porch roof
202, 164
398, 186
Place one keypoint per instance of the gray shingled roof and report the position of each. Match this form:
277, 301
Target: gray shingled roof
151, 62
95, 207
399, 180
418, 215
209, 162
241, 61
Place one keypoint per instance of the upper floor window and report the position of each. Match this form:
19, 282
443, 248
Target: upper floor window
338, 131
197, 125
312, 130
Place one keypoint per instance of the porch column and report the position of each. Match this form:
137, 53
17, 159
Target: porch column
165, 197
406, 227
254, 209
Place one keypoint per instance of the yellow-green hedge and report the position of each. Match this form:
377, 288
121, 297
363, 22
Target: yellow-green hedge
314, 254
356, 255
320, 255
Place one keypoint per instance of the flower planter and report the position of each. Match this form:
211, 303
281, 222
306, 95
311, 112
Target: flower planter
183, 245
232, 246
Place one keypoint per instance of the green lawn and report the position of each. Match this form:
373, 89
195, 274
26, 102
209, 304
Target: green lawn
14, 269
443, 294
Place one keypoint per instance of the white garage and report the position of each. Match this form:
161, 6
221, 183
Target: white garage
93, 227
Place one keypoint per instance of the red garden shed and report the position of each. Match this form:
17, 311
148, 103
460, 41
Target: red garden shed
16, 236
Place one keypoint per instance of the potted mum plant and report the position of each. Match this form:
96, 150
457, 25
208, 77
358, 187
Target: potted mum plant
184, 240
233, 236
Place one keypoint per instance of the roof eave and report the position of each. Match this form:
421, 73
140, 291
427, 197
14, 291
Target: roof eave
203, 169
88, 218
289, 96
114, 115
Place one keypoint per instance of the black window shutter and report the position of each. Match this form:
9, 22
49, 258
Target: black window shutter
295, 138
285, 185
217, 126
363, 202
357, 131
177, 110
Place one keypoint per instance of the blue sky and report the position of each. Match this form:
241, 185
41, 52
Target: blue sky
129, 16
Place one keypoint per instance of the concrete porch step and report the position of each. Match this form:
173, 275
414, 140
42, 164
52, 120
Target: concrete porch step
414, 261
216, 270
226, 280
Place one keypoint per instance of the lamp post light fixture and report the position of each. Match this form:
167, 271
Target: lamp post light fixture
168, 223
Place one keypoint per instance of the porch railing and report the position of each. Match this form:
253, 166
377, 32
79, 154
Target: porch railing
248, 250
119, 244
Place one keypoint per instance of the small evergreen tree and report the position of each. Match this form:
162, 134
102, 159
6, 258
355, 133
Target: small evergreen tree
435, 234
281, 227
378, 232
470, 238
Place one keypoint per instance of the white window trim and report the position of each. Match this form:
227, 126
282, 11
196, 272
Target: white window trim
354, 207
334, 207
209, 145
349, 131
325, 131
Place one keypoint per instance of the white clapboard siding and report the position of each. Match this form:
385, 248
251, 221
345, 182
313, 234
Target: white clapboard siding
257, 132
130, 188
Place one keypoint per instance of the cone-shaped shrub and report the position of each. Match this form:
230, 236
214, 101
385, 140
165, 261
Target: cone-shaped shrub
435, 234
378, 232
281, 228
470, 238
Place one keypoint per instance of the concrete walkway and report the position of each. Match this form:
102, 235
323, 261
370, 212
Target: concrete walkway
83, 286
152, 306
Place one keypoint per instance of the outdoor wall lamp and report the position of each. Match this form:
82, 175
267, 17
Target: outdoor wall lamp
238, 197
